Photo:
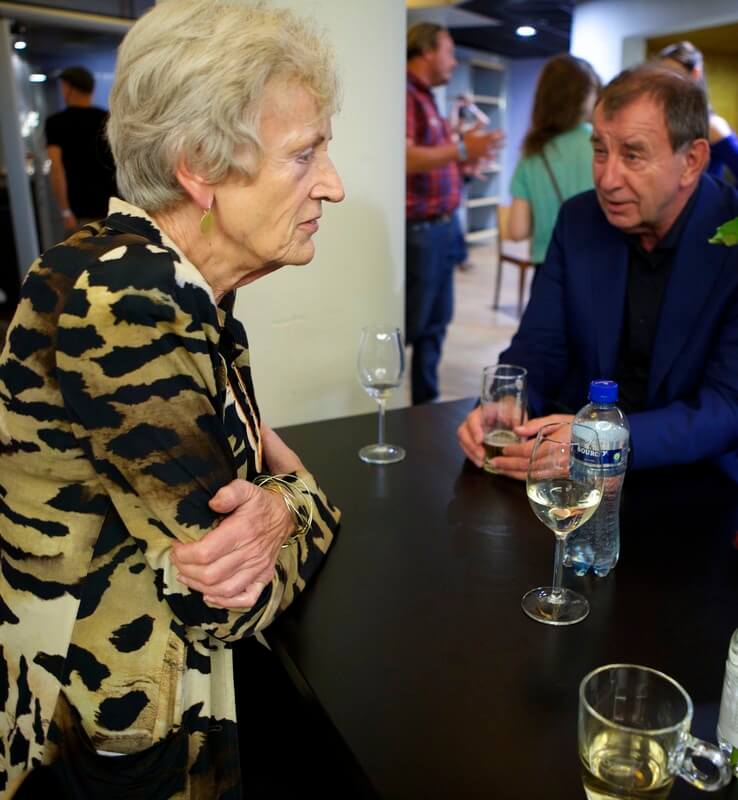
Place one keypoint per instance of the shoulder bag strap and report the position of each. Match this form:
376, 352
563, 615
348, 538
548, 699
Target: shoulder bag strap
553, 178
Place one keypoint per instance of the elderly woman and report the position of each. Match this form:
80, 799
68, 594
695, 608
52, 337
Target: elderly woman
126, 403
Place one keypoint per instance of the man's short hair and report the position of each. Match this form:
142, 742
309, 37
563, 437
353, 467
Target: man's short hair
684, 103
78, 78
421, 37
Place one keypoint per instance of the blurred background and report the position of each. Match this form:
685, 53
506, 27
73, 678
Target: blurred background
357, 277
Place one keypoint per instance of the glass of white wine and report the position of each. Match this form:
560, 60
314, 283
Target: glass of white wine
380, 366
634, 739
563, 494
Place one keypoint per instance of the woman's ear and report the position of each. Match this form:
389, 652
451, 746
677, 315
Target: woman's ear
196, 186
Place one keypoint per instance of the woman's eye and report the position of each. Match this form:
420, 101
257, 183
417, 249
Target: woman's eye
306, 157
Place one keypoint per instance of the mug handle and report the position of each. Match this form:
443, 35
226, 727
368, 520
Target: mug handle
694, 775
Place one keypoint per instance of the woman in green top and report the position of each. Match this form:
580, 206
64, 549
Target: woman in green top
557, 153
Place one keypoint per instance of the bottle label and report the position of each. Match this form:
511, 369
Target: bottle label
603, 458
727, 728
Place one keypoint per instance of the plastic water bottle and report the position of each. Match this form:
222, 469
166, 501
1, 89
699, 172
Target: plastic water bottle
727, 728
596, 545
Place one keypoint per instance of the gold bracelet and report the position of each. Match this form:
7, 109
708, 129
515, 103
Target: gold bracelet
299, 506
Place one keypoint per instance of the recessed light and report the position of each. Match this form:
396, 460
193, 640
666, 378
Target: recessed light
20, 45
526, 30
37, 77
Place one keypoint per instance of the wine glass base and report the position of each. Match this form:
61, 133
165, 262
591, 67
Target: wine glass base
382, 453
568, 607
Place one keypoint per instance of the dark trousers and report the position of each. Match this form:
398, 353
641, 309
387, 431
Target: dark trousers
430, 252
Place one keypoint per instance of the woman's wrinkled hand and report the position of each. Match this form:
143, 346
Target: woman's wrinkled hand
233, 563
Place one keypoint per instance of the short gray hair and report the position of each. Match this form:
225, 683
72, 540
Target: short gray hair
683, 102
189, 84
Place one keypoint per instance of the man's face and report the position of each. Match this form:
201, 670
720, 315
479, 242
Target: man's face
442, 60
637, 176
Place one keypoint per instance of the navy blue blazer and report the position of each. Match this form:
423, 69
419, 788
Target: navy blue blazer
571, 331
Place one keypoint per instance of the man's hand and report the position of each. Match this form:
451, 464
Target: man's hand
470, 435
482, 143
233, 563
515, 458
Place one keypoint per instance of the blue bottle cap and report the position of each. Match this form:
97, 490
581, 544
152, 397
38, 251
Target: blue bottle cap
603, 392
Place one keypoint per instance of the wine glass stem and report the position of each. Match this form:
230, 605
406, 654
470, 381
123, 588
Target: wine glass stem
558, 569
380, 433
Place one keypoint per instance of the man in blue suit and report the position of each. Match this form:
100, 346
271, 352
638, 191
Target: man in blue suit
632, 291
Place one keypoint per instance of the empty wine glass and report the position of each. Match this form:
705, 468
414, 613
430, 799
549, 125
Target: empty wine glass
564, 492
380, 366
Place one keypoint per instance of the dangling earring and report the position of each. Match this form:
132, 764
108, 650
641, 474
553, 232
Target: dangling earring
206, 221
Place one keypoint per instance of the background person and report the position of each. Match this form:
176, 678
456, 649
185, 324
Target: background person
433, 193
557, 152
82, 170
632, 291
129, 423
685, 57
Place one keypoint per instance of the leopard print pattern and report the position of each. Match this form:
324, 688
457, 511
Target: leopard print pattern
126, 401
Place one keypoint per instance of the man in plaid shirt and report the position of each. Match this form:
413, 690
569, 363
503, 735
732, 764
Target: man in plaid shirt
433, 166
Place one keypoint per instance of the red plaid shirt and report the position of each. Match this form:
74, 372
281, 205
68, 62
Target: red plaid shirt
438, 191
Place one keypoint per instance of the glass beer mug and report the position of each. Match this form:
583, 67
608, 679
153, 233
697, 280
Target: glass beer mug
634, 736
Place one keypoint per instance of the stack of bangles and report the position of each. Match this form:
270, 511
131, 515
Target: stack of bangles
298, 503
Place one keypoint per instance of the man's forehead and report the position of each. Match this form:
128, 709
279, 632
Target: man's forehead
642, 116
443, 39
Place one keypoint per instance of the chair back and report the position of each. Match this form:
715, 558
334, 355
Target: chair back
509, 252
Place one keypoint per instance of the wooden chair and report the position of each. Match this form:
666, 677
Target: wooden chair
515, 253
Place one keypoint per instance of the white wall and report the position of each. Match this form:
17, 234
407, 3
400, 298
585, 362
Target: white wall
611, 34
522, 75
304, 322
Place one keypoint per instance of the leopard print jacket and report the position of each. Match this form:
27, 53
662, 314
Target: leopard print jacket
125, 402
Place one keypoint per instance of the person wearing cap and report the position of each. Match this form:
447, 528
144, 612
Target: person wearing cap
82, 167
632, 290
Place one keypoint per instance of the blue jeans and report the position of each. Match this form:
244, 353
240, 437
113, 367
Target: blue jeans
430, 249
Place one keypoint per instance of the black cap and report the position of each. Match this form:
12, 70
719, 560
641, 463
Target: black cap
78, 78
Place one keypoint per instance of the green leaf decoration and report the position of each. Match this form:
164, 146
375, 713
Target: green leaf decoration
726, 234
734, 757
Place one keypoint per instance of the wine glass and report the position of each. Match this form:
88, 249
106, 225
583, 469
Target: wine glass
380, 366
564, 491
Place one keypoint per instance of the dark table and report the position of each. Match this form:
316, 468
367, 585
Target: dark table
411, 640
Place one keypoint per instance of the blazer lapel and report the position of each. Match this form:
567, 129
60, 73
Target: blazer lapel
609, 274
694, 272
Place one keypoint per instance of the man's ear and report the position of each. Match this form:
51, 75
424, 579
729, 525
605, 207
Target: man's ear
695, 162
196, 186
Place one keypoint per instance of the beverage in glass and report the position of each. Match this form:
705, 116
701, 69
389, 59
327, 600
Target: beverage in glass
634, 739
563, 500
503, 404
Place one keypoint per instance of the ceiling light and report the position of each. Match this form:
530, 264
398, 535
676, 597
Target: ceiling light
20, 45
37, 77
526, 30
